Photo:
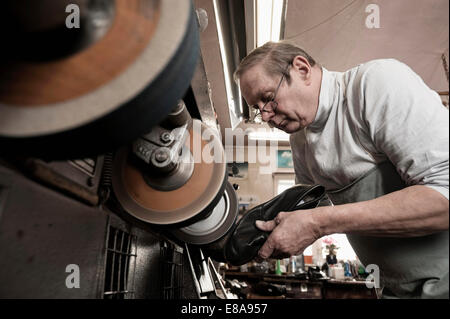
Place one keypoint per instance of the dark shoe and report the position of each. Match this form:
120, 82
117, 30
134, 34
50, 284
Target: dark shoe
246, 240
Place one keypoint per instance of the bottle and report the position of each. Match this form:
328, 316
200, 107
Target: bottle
278, 268
292, 265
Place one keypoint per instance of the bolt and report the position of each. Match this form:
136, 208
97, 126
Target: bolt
143, 151
166, 137
161, 156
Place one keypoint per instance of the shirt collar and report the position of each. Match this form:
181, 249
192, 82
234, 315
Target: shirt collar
327, 99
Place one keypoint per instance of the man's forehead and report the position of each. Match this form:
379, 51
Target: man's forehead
251, 92
254, 73
254, 82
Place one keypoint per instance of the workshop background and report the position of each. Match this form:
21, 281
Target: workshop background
98, 198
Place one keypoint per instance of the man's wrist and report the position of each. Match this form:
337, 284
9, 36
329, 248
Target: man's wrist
322, 221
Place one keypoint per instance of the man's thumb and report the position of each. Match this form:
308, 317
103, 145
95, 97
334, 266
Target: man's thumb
265, 226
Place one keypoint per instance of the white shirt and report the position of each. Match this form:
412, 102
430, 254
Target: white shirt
377, 111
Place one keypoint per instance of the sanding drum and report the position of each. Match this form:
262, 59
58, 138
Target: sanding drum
68, 92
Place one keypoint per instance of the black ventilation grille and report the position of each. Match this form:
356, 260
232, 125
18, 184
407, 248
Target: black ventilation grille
171, 271
120, 265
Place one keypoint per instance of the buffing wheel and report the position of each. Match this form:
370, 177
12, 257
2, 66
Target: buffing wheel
216, 225
195, 199
105, 94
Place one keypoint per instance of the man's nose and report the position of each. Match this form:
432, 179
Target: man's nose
266, 116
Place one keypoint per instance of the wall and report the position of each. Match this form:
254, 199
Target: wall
258, 186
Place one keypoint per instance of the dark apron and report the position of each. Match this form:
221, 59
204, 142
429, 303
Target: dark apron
414, 267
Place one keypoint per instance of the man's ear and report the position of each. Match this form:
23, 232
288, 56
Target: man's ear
302, 67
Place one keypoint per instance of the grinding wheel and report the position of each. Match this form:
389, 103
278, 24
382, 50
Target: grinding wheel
196, 198
216, 225
105, 94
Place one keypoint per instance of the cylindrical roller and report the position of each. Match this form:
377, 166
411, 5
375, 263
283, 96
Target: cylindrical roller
179, 116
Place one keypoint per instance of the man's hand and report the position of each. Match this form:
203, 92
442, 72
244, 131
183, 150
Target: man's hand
291, 233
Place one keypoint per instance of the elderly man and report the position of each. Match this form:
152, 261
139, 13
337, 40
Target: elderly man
377, 138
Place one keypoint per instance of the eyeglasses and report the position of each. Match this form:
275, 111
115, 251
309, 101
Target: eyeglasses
272, 104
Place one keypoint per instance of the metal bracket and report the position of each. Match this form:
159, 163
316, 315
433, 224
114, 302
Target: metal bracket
204, 283
161, 147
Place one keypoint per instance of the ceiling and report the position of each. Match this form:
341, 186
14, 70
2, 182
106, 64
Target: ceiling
335, 34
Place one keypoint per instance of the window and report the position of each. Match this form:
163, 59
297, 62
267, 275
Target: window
281, 182
284, 184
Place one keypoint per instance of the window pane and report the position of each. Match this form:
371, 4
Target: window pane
284, 184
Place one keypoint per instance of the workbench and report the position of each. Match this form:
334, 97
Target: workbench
296, 288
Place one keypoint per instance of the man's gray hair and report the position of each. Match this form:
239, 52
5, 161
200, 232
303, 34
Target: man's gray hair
274, 56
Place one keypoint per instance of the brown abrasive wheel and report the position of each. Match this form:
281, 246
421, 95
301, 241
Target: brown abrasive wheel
123, 74
196, 198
